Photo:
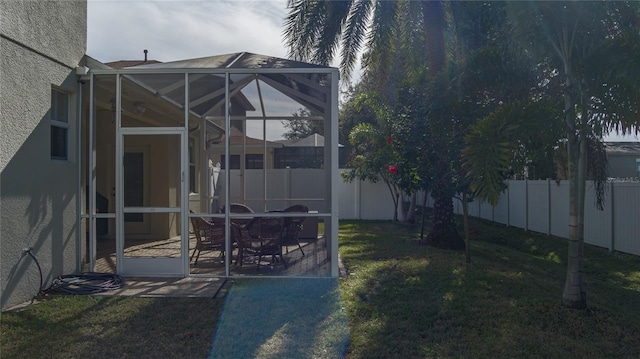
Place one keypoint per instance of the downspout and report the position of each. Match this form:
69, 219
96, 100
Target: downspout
91, 160
79, 250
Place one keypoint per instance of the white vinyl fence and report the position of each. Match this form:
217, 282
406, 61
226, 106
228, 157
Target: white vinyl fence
540, 206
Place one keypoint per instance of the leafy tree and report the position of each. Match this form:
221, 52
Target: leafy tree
301, 127
592, 49
353, 112
374, 160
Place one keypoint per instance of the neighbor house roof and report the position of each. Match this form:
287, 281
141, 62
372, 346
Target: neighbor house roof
237, 138
622, 148
315, 140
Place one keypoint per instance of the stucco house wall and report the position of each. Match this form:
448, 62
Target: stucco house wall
623, 166
624, 159
41, 45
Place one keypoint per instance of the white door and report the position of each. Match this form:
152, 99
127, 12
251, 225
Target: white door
150, 187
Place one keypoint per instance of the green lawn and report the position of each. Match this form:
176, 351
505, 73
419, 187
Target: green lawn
409, 301
111, 327
403, 300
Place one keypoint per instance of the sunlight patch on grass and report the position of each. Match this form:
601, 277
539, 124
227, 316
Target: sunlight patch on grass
275, 346
282, 318
553, 257
410, 301
110, 327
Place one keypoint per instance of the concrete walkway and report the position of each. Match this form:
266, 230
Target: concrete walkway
171, 287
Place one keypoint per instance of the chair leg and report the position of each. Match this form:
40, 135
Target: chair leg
299, 246
239, 257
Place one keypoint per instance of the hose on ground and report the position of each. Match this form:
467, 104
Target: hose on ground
29, 251
86, 283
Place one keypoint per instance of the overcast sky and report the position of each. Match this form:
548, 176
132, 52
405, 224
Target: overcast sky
184, 29
177, 30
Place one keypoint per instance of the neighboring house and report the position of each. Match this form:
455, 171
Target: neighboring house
43, 43
624, 159
249, 148
305, 152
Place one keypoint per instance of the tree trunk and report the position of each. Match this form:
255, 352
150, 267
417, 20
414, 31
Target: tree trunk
574, 294
394, 195
410, 215
443, 232
424, 211
434, 27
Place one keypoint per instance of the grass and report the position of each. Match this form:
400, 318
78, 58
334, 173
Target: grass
282, 318
402, 300
111, 327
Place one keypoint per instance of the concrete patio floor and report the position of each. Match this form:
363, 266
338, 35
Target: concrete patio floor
171, 287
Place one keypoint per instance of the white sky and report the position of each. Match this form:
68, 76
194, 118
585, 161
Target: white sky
184, 29
177, 30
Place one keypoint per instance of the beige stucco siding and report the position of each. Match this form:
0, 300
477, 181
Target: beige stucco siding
57, 29
41, 43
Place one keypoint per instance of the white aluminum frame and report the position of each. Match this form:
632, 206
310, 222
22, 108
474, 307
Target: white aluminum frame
332, 174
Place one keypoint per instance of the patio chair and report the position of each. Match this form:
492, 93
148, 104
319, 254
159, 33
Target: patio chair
239, 208
293, 226
209, 237
262, 236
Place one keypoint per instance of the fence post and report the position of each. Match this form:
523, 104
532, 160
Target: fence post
613, 223
508, 203
548, 206
493, 213
357, 198
526, 205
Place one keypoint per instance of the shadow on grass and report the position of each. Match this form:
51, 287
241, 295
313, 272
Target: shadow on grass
282, 318
405, 300
103, 327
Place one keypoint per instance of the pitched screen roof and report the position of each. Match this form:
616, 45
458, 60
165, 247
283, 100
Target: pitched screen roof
239, 60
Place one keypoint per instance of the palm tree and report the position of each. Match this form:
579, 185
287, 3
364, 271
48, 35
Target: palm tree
594, 47
316, 29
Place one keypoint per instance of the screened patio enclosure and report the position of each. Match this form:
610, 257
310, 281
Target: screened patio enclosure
169, 147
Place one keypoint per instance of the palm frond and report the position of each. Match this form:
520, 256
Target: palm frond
303, 25
381, 39
335, 17
353, 36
